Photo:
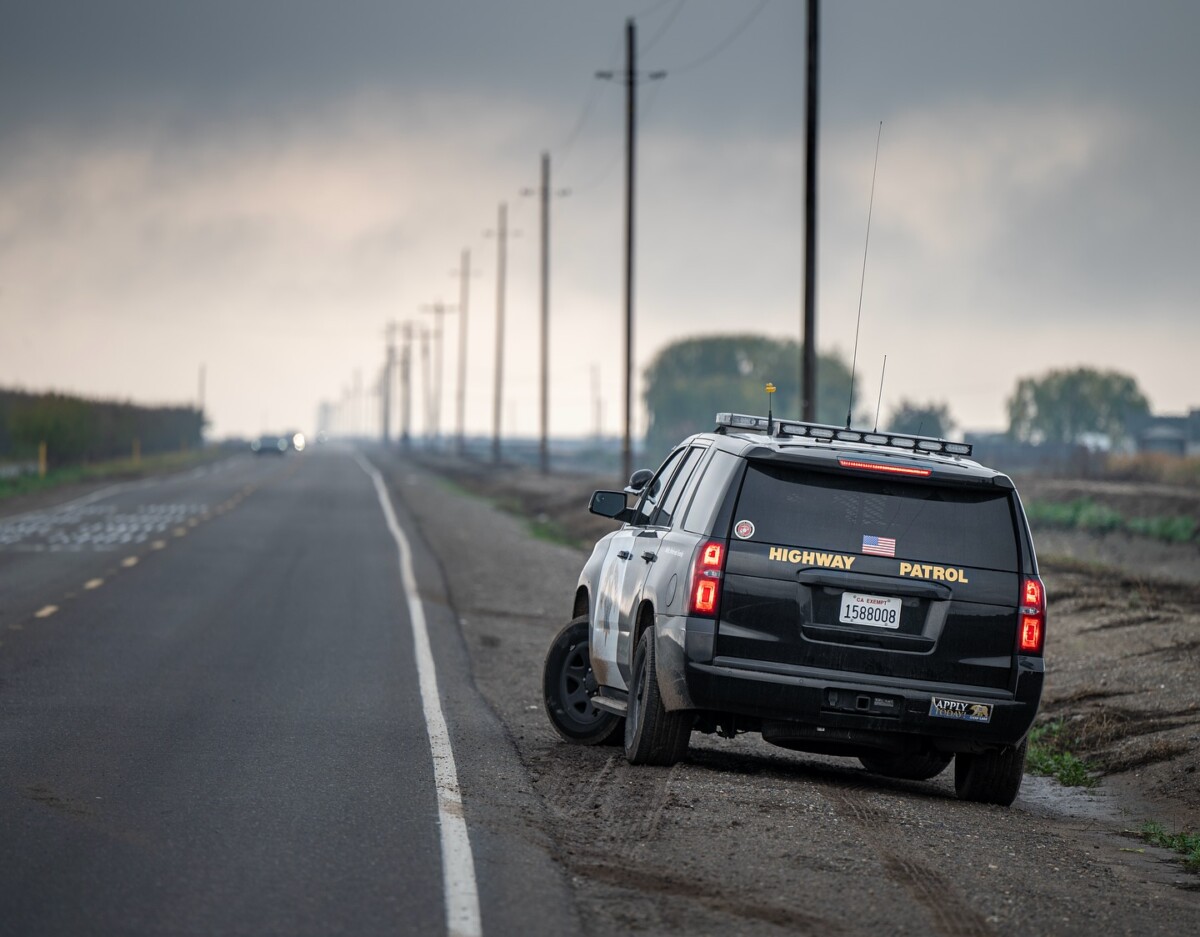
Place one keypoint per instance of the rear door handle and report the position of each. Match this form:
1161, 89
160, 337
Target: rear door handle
624, 555
649, 557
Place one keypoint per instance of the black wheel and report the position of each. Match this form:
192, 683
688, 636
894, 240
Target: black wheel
990, 778
567, 687
653, 736
912, 766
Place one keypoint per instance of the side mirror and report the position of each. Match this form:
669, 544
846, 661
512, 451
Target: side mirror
638, 480
610, 504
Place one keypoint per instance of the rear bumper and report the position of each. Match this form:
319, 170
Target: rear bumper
842, 708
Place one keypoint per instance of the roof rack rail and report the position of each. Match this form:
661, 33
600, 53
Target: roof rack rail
747, 423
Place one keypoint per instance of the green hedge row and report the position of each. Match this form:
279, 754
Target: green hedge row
77, 430
1085, 514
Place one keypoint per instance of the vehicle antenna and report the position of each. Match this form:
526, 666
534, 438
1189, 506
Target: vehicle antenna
770, 390
862, 282
880, 400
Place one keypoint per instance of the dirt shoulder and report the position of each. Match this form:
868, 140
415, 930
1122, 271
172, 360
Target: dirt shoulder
1124, 618
744, 838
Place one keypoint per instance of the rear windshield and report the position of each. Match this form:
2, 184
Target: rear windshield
884, 517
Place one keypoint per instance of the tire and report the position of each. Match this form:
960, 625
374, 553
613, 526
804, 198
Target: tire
653, 736
567, 686
990, 778
911, 766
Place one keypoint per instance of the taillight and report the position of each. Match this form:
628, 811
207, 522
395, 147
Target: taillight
1032, 615
705, 588
886, 467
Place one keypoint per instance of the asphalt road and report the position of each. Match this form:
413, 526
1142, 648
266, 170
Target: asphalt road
211, 718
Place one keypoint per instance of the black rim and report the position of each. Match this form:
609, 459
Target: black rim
573, 682
637, 691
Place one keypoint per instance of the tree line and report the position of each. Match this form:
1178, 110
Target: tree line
77, 430
691, 380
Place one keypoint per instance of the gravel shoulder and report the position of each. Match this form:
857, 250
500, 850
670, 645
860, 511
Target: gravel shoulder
745, 838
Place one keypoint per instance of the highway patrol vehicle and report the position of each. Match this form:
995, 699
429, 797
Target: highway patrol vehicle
868, 594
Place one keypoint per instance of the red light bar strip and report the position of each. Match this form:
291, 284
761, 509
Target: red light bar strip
885, 467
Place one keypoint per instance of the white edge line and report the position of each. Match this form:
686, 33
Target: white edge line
458, 863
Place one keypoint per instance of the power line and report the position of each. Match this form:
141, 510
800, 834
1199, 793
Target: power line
662, 30
723, 44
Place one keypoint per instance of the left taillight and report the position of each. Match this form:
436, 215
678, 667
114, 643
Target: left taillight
1032, 616
705, 590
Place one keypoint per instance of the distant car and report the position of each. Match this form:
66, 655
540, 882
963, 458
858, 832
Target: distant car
269, 445
856, 593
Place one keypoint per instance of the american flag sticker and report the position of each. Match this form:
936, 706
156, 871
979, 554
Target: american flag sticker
879, 546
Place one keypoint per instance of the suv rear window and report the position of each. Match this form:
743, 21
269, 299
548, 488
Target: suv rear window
929, 523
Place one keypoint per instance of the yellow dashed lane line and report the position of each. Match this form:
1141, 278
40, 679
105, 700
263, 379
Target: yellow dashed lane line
130, 561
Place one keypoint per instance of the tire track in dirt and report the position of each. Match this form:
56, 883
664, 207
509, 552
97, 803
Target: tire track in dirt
950, 914
619, 814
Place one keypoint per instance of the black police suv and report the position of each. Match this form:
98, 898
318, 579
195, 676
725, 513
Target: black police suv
867, 594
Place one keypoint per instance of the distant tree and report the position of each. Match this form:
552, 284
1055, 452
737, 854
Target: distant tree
921, 419
692, 380
1063, 406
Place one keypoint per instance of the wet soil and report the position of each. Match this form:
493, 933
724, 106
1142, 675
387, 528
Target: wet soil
745, 838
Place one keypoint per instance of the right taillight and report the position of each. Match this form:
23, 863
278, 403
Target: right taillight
705, 589
1032, 616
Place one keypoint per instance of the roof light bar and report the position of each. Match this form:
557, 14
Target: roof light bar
823, 431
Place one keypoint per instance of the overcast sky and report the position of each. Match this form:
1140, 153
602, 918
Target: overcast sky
257, 187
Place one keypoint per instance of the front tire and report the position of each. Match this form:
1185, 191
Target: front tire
993, 777
567, 687
653, 736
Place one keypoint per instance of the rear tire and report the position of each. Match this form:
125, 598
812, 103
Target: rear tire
993, 777
653, 736
567, 687
911, 766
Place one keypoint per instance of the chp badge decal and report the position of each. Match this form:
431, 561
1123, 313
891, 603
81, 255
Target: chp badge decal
744, 530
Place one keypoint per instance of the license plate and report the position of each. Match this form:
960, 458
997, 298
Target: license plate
860, 609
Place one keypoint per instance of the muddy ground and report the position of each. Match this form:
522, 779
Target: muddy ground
744, 838
1123, 649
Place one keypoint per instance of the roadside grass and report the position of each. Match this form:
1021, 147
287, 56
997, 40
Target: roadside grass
546, 528
1086, 515
541, 526
1049, 755
1184, 843
100, 471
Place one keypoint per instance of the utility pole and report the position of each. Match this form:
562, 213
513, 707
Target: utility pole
597, 414
544, 441
386, 383
630, 152
808, 370
497, 396
427, 395
544, 192
358, 402
406, 383
631, 76
464, 274
439, 310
